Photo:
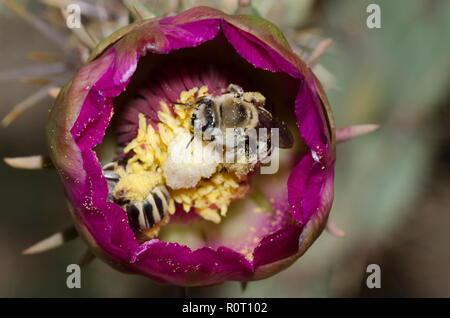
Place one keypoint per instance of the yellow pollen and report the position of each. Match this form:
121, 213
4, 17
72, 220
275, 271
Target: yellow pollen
210, 196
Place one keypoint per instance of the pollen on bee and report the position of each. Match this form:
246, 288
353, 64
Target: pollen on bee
161, 157
136, 186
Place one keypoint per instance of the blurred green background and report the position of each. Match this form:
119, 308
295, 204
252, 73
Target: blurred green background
392, 187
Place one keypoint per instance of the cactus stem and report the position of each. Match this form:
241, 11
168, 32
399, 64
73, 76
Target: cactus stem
183, 292
86, 259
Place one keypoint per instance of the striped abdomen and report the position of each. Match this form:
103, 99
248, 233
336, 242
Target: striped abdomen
148, 214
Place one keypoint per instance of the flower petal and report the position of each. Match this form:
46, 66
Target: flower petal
84, 108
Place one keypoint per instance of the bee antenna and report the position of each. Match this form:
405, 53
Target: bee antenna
190, 141
183, 104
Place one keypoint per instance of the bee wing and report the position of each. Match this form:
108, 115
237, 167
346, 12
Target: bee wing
286, 140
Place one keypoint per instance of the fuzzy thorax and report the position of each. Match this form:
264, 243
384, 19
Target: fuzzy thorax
161, 156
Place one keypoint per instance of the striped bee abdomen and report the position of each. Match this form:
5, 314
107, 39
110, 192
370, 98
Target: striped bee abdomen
145, 217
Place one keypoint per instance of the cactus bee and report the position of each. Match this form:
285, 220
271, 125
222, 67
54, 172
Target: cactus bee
238, 110
145, 217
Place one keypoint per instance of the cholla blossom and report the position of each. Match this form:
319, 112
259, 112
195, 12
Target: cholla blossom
225, 221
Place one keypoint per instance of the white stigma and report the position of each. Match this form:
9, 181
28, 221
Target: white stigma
187, 162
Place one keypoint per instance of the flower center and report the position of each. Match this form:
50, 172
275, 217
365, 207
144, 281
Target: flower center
190, 168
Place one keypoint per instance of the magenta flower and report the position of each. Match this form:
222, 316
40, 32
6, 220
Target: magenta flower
140, 72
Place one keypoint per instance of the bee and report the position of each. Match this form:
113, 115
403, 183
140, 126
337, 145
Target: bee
238, 110
145, 217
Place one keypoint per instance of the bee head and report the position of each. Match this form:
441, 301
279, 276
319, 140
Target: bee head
204, 116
